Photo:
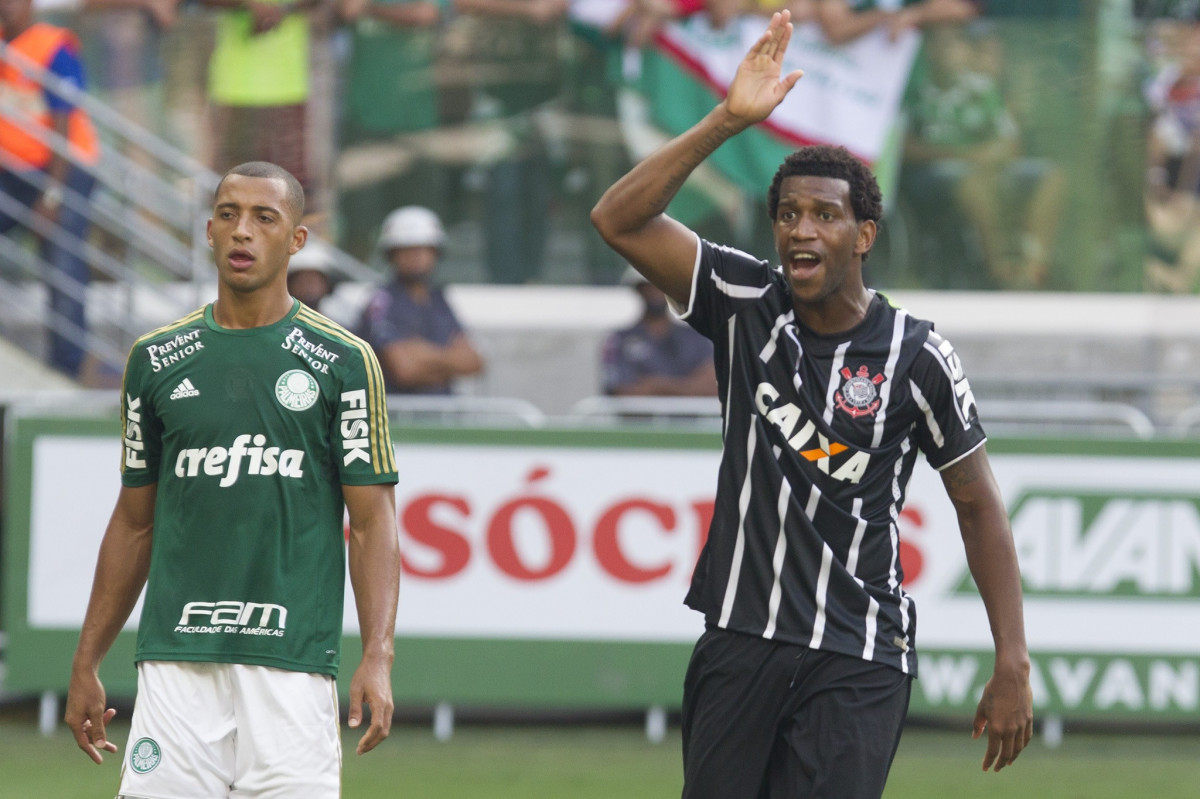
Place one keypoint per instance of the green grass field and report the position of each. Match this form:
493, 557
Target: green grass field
616, 762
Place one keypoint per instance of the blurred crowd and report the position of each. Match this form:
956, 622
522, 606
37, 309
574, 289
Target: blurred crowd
1037, 145
509, 115
1172, 91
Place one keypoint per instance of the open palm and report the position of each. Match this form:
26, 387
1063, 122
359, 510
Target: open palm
757, 88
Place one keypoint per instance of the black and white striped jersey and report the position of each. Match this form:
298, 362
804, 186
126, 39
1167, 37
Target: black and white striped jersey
821, 433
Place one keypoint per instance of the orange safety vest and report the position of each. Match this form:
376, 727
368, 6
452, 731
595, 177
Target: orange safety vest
21, 96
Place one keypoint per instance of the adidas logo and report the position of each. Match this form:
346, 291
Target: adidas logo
184, 389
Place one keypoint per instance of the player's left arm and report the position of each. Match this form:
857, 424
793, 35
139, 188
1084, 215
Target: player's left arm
374, 559
1006, 709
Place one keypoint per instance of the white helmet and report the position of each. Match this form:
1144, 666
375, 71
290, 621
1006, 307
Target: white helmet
315, 255
411, 226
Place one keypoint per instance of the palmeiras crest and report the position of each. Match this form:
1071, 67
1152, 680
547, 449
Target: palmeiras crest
860, 394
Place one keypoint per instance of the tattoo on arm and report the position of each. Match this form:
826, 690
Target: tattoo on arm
961, 474
714, 139
703, 149
669, 190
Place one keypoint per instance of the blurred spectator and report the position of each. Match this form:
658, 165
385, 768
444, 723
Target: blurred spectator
420, 344
389, 92
1173, 167
310, 276
516, 43
259, 84
53, 190
396, 13
964, 151
722, 12
598, 153
803, 11
124, 41
186, 49
639, 20
391, 88
845, 20
657, 356
128, 35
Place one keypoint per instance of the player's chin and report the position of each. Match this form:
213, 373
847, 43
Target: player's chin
809, 292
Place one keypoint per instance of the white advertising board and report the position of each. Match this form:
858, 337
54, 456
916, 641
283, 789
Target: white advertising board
578, 546
598, 543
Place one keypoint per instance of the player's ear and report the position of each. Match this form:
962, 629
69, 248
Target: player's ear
867, 230
208, 232
299, 238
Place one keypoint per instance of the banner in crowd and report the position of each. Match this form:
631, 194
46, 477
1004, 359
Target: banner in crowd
850, 94
579, 546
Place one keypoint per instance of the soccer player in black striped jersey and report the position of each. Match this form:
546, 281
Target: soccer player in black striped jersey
800, 683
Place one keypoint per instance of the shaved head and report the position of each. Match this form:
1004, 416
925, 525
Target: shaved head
265, 169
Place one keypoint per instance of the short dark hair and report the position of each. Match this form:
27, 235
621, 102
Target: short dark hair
265, 169
823, 161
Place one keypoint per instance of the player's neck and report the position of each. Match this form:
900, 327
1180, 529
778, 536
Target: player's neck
238, 311
835, 314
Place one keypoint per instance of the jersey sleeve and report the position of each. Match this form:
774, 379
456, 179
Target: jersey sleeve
725, 280
142, 429
361, 432
68, 66
948, 427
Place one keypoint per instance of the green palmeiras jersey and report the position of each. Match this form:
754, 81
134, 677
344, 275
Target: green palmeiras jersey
250, 435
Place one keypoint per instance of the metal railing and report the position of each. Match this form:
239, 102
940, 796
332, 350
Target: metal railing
464, 411
676, 412
148, 197
151, 202
1011, 417
1014, 417
1022, 417
1186, 422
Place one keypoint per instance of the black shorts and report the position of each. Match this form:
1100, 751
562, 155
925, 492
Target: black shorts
766, 720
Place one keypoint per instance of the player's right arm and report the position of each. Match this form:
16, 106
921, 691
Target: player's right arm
631, 216
121, 571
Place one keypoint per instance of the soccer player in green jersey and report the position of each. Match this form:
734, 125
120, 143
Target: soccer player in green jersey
251, 426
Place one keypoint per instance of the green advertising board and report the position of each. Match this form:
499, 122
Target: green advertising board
546, 568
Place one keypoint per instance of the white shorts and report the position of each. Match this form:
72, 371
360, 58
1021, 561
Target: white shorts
230, 731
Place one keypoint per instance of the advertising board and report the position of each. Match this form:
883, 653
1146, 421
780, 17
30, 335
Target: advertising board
547, 568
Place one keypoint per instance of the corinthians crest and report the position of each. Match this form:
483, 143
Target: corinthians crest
859, 395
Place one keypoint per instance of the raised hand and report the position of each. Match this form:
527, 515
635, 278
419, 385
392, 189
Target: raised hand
757, 88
